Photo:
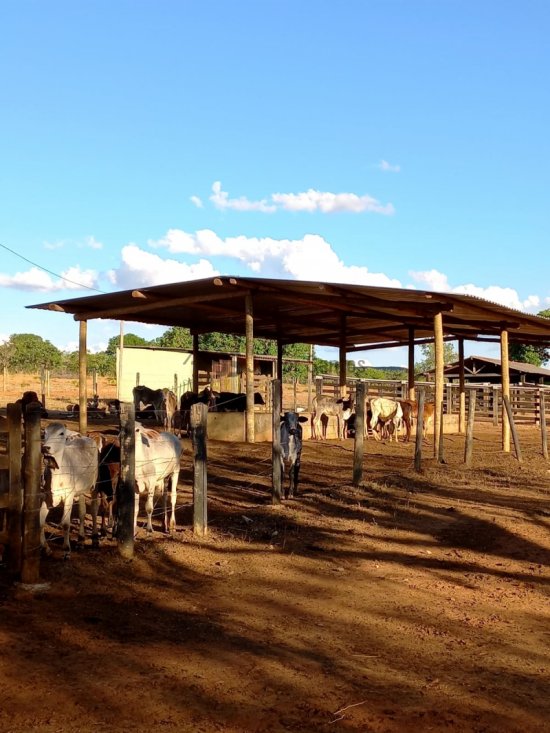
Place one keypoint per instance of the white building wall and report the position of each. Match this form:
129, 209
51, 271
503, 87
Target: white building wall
157, 368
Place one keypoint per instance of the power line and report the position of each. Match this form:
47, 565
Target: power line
51, 272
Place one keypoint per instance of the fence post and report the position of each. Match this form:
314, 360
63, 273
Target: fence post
43, 385
94, 382
199, 417
318, 386
30, 565
359, 442
543, 426
495, 406
126, 496
515, 436
469, 444
176, 384
15, 501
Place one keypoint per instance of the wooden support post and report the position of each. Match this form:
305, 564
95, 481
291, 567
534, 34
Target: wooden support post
277, 479
176, 384
512, 424
441, 451
310, 379
439, 366
82, 378
279, 374
495, 405
95, 388
126, 490
419, 431
15, 500
294, 393
249, 329
461, 389
343, 368
410, 373
469, 444
543, 430
120, 354
359, 442
505, 379
195, 363
199, 420
30, 564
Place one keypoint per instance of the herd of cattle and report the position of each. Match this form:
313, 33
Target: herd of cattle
76, 466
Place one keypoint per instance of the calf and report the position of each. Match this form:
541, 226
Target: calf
330, 406
410, 413
72, 467
291, 450
158, 458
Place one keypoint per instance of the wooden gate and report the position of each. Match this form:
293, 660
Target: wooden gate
11, 488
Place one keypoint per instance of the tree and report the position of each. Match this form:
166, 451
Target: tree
31, 353
130, 339
427, 364
175, 338
536, 355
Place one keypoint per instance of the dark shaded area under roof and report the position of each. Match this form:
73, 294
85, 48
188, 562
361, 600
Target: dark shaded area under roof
293, 311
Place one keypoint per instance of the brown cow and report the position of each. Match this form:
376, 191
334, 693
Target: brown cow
410, 413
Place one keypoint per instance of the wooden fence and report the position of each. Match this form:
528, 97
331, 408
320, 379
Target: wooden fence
525, 401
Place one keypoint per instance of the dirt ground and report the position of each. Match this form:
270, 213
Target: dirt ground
416, 602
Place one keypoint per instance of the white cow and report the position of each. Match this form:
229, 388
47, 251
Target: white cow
72, 460
157, 457
389, 412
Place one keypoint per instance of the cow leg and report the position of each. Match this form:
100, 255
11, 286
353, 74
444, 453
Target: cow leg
81, 518
373, 426
136, 512
66, 523
170, 526
44, 510
94, 507
294, 471
149, 503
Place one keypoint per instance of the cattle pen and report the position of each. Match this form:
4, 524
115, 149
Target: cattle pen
414, 601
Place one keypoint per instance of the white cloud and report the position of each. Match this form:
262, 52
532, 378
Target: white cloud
88, 242
140, 268
311, 200
330, 203
92, 243
37, 279
388, 167
437, 281
309, 258
196, 201
221, 200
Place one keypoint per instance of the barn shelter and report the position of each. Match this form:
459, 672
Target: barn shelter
349, 317
484, 370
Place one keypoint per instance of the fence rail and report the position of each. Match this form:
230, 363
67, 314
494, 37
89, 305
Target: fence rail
525, 401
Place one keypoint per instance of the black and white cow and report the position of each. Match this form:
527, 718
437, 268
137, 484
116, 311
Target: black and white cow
291, 450
144, 396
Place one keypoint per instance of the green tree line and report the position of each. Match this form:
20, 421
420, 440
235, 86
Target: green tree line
27, 352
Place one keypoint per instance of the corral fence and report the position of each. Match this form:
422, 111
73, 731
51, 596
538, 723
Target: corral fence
525, 400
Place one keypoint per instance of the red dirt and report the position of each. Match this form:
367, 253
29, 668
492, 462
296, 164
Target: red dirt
417, 602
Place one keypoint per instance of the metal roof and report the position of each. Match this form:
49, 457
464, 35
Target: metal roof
328, 314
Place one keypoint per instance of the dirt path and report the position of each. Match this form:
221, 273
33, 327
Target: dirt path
413, 603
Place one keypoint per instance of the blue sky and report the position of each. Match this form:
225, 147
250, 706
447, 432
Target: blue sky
385, 142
